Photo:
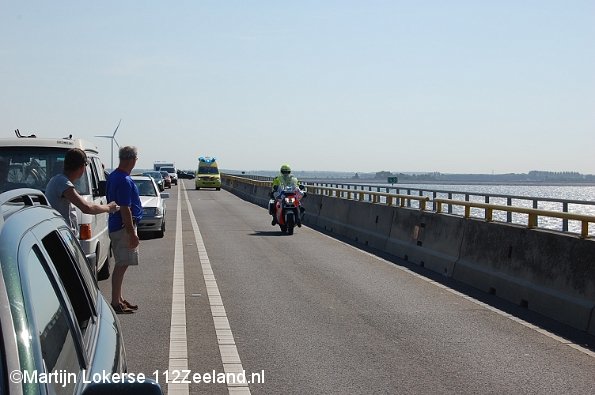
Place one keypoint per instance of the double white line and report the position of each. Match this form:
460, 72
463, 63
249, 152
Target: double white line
178, 343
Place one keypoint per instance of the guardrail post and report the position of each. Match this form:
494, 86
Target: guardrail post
532, 221
509, 213
584, 229
467, 211
565, 220
450, 205
535, 204
488, 214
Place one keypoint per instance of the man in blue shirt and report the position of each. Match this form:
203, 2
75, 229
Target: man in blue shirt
122, 224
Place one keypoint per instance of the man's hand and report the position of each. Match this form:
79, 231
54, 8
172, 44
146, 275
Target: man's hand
133, 241
113, 207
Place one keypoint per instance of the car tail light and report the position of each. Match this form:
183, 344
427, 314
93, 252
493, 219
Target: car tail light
85, 232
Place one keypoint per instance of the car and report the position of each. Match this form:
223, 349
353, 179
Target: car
154, 208
53, 316
30, 162
158, 179
166, 179
207, 175
187, 175
172, 173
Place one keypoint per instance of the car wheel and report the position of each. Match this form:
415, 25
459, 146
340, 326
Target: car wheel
218, 189
161, 233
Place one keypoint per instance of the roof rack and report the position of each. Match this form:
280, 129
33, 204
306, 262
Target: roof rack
27, 196
19, 135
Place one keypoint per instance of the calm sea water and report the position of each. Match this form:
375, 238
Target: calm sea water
581, 193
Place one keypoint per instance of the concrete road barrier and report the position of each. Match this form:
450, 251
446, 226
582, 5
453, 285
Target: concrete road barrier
546, 272
426, 239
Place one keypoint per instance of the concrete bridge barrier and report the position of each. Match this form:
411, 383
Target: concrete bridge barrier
426, 239
546, 272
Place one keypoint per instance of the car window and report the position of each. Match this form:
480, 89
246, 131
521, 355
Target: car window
145, 187
50, 316
71, 278
82, 265
208, 170
32, 167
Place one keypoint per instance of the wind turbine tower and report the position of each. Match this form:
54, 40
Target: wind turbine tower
113, 138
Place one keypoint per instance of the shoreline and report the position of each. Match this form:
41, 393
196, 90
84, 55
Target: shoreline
511, 183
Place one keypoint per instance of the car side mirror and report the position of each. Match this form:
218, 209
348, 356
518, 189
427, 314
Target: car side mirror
102, 188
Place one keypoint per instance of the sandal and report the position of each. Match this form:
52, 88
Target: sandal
120, 308
129, 305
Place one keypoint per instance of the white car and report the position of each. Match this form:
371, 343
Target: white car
153, 205
30, 162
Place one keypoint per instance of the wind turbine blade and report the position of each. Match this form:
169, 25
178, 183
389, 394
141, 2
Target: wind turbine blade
116, 141
114, 135
107, 137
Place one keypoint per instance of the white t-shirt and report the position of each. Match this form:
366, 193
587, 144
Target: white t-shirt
55, 194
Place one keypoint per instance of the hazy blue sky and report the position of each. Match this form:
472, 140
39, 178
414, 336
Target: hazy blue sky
450, 86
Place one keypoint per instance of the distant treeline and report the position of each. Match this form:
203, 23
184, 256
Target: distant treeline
532, 176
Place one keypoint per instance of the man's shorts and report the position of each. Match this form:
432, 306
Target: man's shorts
123, 255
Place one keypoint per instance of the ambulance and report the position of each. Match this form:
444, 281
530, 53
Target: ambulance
207, 175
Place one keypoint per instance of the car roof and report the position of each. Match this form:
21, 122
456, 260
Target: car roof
66, 143
33, 208
141, 177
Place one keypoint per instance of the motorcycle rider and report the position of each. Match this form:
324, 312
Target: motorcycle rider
285, 178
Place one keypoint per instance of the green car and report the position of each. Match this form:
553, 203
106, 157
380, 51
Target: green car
207, 175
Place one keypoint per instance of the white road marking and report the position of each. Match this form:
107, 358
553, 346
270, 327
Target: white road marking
178, 343
473, 300
227, 345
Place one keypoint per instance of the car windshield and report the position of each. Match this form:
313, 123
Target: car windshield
168, 169
208, 170
145, 187
32, 167
155, 174
165, 174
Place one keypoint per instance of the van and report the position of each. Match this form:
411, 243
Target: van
207, 175
30, 162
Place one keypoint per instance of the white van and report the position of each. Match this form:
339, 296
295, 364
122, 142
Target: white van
30, 162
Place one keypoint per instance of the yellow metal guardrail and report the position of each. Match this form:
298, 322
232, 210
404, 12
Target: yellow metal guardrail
401, 200
405, 201
533, 213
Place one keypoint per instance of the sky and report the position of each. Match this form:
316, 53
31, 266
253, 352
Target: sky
454, 86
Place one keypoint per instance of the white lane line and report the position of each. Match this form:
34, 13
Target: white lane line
227, 345
178, 343
526, 324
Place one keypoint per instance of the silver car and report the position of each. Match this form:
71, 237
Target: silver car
153, 205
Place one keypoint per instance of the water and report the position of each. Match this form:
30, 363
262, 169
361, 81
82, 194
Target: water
477, 194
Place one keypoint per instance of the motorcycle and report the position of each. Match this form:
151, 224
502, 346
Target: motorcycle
287, 208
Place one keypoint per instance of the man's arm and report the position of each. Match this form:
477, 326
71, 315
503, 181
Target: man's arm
88, 208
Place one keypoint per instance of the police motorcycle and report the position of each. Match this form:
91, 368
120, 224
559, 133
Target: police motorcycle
285, 206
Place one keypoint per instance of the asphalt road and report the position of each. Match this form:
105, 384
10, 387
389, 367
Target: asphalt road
319, 316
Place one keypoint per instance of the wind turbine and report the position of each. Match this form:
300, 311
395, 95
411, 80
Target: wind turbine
113, 138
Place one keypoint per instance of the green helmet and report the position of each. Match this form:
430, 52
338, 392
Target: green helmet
285, 169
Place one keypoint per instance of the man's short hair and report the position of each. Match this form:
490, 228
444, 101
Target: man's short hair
75, 158
128, 152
